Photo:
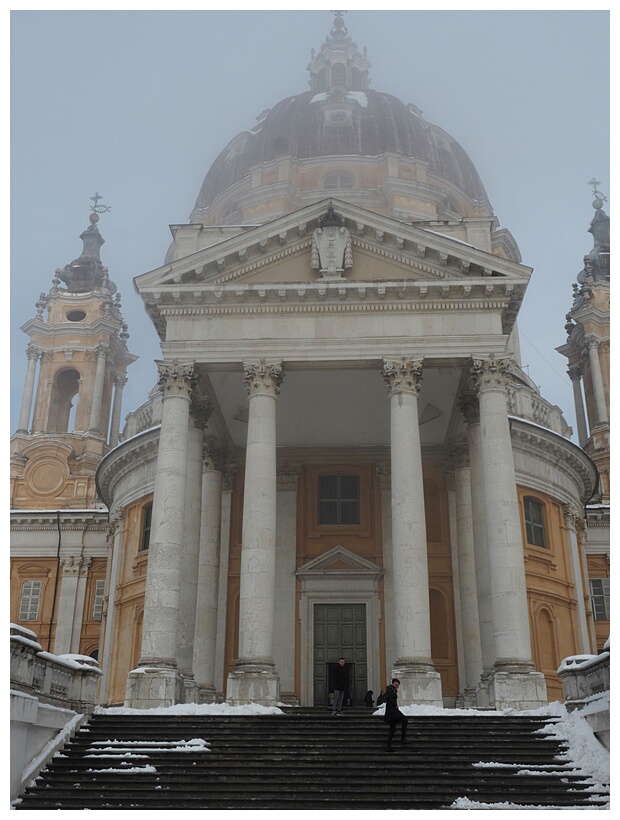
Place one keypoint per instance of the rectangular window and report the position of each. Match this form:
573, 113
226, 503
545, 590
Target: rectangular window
98, 602
339, 499
146, 527
534, 522
30, 600
599, 590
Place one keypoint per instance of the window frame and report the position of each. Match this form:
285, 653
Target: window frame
532, 527
22, 598
603, 597
338, 500
98, 599
146, 521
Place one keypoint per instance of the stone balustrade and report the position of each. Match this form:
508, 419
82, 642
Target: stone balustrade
65, 681
586, 682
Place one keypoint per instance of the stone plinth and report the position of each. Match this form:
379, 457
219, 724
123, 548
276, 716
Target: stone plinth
419, 684
148, 688
517, 690
253, 684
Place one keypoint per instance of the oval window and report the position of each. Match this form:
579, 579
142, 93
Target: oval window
76, 315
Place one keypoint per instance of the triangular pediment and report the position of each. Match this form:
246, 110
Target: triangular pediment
280, 252
339, 559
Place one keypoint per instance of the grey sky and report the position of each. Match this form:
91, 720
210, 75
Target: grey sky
136, 105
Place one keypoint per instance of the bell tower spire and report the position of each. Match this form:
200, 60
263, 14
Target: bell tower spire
70, 411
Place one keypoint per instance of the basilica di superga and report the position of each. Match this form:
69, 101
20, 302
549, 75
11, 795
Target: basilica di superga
341, 455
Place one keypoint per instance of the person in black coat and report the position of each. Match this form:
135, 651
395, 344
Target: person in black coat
368, 699
340, 681
393, 715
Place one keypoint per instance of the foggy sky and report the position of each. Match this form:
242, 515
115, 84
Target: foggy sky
136, 106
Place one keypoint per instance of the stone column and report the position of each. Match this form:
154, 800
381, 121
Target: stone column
515, 683
95, 408
228, 483
255, 678
420, 683
200, 412
571, 519
205, 636
597, 380
24, 413
157, 680
470, 623
471, 413
582, 427
119, 384
71, 604
286, 589
114, 540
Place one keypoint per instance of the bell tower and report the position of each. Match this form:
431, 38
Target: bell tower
587, 345
587, 351
71, 405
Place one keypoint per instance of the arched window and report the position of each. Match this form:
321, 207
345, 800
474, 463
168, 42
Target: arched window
66, 386
339, 74
534, 522
338, 180
339, 499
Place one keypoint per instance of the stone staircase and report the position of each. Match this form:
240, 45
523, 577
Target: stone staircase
307, 759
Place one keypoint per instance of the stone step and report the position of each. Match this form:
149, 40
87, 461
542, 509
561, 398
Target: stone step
286, 762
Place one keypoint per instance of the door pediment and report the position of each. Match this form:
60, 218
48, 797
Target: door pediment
339, 560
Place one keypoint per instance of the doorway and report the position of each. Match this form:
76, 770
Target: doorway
340, 631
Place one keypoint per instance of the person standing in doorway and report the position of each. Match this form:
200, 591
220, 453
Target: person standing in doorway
341, 685
393, 715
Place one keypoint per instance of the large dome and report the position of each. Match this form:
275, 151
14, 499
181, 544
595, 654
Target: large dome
341, 139
350, 123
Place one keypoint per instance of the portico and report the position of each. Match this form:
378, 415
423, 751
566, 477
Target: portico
352, 373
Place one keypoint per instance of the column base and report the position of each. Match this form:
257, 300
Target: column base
467, 699
517, 690
253, 682
420, 684
151, 686
207, 694
483, 699
191, 692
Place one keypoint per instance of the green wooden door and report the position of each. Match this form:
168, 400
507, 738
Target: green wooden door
340, 631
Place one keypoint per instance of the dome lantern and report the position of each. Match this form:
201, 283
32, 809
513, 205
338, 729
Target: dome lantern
339, 66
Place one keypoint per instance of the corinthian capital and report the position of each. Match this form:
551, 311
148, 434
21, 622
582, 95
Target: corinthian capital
592, 342
402, 375
263, 378
176, 379
469, 407
573, 517
490, 374
201, 411
214, 455
33, 352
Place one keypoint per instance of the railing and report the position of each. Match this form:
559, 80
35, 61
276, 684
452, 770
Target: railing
586, 681
66, 681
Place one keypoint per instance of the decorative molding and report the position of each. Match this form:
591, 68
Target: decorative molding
176, 379
287, 476
75, 565
263, 378
491, 374
402, 375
